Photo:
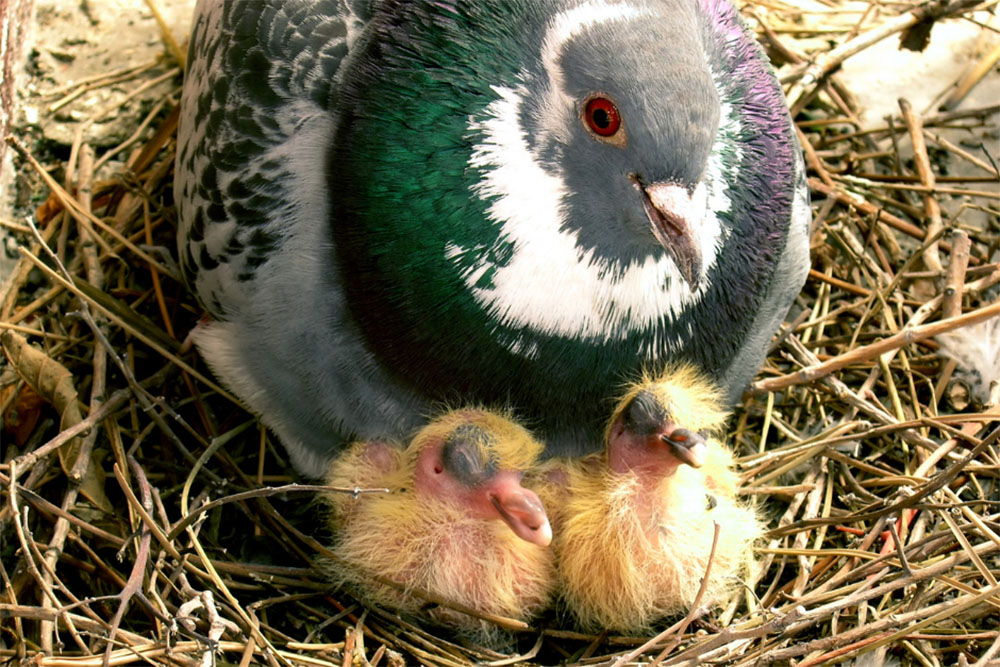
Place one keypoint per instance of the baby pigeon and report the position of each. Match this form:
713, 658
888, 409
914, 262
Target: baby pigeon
642, 514
456, 521
389, 205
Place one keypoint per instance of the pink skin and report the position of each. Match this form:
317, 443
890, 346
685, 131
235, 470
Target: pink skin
380, 454
652, 457
501, 496
656, 455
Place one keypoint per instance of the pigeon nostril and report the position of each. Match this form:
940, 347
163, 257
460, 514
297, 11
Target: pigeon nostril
683, 438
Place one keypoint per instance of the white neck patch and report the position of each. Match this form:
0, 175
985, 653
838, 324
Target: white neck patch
551, 285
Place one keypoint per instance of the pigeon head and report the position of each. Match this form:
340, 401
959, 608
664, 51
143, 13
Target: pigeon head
475, 461
531, 201
625, 119
457, 522
659, 426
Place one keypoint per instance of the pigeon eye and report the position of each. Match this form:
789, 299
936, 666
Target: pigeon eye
602, 117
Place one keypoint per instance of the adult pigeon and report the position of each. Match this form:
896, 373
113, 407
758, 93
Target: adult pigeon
388, 205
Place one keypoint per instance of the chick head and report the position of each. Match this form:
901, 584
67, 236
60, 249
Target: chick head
456, 522
662, 423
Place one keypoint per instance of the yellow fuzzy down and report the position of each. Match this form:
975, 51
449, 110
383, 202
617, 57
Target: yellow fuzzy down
630, 552
514, 449
692, 401
433, 545
622, 567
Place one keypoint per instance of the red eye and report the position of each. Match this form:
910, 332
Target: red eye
602, 117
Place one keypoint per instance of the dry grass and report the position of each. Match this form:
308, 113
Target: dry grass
132, 484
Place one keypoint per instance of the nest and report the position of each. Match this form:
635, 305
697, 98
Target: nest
146, 517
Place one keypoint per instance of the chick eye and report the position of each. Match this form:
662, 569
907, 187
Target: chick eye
602, 117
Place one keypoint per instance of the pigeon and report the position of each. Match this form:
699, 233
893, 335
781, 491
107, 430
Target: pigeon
456, 522
643, 512
387, 206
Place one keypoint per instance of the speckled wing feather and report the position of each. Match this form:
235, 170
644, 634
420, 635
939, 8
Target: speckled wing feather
253, 196
259, 69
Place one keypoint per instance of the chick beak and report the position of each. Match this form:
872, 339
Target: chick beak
674, 214
687, 446
645, 437
521, 509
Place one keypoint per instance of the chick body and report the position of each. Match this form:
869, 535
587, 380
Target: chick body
428, 537
634, 534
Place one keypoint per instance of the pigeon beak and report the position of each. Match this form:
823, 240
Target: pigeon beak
674, 214
646, 436
687, 446
521, 509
